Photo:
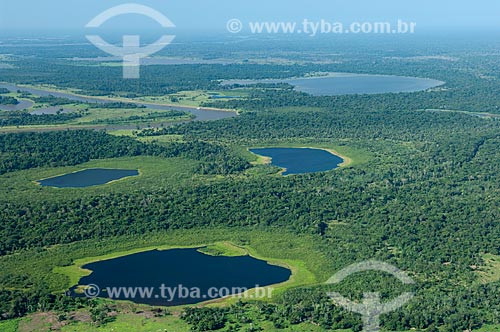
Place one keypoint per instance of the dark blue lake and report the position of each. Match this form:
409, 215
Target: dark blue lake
180, 268
87, 178
299, 160
346, 84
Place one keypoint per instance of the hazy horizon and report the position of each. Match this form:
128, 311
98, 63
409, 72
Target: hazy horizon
212, 15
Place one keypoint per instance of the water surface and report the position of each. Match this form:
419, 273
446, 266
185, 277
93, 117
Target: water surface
186, 267
346, 84
301, 160
201, 114
87, 178
22, 105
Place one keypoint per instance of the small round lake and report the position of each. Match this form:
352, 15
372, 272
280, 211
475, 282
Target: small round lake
300, 160
177, 269
87, 178
346, 84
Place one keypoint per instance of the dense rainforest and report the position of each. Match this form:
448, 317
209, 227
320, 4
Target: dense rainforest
422, 191
389, 202
29, 150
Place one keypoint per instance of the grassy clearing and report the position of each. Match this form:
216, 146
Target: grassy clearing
351, 156
9, 325
489, 328
300, 254
162, 139
224, 248
141, 322
301, 274
154, 172
133, 323
261, 160
308, 264
75, 272
38, 322
102, 117
95, 118
192, 98
164, 101
122, 132
482, 115
490, 272
147, 139
122, 115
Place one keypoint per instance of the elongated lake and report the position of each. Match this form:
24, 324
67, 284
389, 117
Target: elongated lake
87, 178
185, 275
345, 84
300, 160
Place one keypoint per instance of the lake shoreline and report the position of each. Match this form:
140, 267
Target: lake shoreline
76, 272
39, 182
266, 160
305, 84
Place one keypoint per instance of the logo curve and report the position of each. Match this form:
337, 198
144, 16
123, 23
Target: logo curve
131, 52
372, 307
130, 8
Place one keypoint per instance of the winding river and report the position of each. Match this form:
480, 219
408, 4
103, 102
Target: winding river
201, 114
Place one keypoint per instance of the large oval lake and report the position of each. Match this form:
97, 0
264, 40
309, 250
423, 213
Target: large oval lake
300, 160
176, 271
346, 84
87, 178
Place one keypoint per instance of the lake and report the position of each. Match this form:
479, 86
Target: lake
346, 84
87, 178
186, 267
300, 160
201, 114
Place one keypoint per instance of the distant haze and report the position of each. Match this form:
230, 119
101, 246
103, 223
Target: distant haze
212, 15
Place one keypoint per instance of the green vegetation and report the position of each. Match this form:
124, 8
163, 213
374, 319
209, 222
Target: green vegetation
490, 271
421, 192
301, 272
56, 278
136, 116
134, 323
489, 328
71, 115
9, 325
8, 100
19, 118
191, 98
30, 150
223, 249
